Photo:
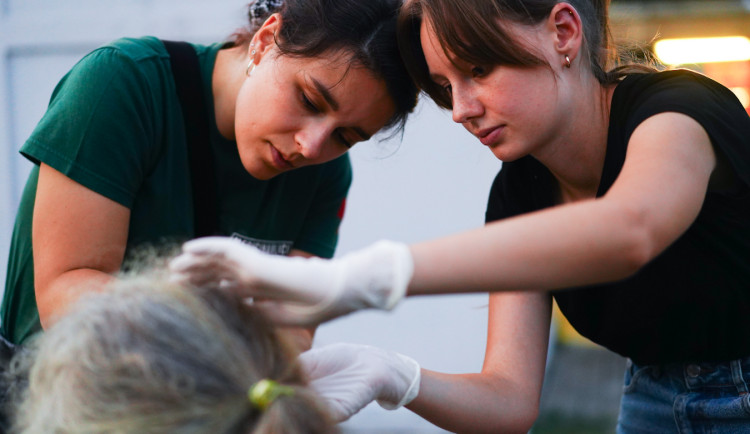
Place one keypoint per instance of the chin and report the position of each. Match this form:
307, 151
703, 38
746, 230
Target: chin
263, 175
507, 153
260, 171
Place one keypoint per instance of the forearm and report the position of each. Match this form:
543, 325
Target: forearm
561, 247
56, 297
475, 403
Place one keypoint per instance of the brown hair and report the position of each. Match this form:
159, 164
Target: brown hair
473, 31
365, 30
149, 355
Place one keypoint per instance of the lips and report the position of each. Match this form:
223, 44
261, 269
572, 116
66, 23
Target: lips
489, 136
278, 160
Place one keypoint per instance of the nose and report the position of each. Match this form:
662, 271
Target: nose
311, 140
465, 105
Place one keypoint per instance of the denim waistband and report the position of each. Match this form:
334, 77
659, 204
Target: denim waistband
733, 374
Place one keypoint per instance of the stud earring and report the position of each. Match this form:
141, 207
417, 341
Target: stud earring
567, 61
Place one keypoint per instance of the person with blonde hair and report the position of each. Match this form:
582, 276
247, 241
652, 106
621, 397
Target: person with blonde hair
149, 356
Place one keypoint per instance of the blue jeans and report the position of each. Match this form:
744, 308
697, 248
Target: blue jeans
698, 398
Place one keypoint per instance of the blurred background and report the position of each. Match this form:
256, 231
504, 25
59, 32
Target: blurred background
432, 181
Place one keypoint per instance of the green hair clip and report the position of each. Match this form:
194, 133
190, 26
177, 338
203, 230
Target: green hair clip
265, 391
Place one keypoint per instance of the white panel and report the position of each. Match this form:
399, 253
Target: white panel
83, 21
7, 167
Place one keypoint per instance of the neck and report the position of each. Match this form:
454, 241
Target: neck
577, 159
228, 76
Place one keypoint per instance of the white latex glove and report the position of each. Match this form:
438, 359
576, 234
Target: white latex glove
350, 376
296, 290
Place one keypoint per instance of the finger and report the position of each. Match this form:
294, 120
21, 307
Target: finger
184, 262
212, 245
280, 313
190, 264
337, 411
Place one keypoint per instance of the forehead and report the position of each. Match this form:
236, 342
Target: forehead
437, 57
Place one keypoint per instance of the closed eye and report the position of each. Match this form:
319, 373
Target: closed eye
309, 105
480, 71
344, 141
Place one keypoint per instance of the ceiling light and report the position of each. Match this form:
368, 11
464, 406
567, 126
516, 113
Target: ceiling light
702, 50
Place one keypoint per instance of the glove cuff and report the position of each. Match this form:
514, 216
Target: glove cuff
403, 269
378, 276
412, 391
374, 277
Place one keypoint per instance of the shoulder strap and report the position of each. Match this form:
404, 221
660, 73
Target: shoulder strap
187, 78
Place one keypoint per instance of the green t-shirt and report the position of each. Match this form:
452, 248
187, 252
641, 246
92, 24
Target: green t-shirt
114, 125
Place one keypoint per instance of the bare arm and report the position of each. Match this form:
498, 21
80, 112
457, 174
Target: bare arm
656, 197
79, 240
504, 397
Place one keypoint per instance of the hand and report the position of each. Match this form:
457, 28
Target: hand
349, 376
296, 290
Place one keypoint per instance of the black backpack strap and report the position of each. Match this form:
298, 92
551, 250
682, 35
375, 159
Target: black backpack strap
187, 78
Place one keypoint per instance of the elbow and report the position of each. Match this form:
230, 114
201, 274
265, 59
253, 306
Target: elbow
525, 417
521, 422
45, 303
517, 416
638, 244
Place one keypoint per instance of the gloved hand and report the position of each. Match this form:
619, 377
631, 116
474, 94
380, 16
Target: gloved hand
350, 376
296, 290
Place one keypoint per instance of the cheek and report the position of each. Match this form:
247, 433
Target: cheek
242, 112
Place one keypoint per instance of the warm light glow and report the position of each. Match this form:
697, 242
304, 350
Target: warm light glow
743, 95
702, 50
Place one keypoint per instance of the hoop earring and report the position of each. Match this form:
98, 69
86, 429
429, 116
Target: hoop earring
567, 61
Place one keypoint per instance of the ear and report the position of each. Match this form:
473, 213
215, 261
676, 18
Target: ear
264, 40
565, 23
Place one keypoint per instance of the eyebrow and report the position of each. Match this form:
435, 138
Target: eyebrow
323, 90
326, 94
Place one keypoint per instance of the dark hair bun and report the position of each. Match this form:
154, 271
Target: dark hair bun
260, 10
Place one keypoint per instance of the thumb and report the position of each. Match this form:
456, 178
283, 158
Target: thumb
286, 313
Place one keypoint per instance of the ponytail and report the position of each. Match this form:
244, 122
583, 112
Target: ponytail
298, 412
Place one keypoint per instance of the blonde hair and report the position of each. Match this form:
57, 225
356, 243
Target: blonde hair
147, 355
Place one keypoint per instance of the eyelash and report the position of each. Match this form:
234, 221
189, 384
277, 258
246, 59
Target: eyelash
479, 71
309, 104
344, 141
313, 108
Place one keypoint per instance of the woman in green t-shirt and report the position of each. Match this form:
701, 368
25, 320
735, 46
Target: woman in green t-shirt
285, 99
